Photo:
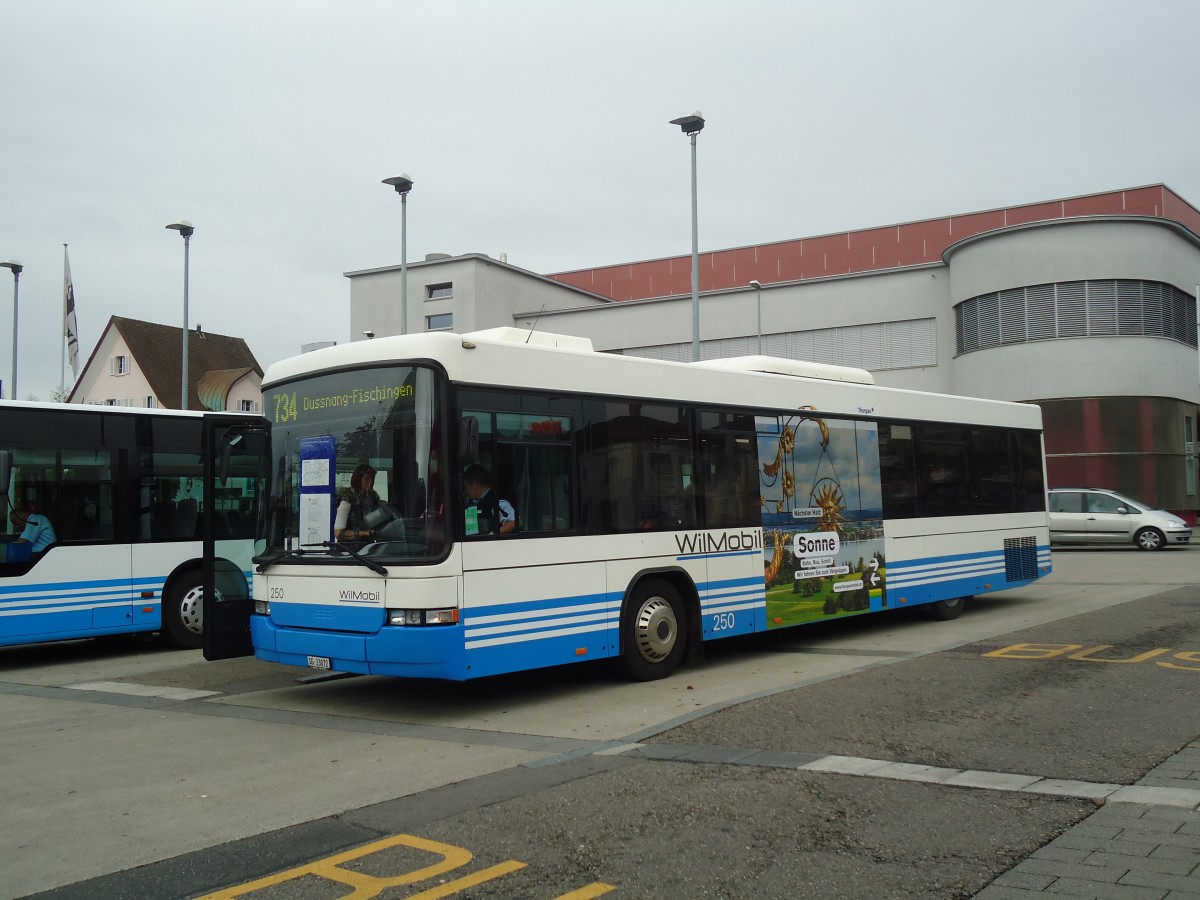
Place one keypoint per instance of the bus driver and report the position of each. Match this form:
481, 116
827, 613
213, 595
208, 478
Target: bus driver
486, 511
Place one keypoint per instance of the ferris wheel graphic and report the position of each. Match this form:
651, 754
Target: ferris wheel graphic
824, 492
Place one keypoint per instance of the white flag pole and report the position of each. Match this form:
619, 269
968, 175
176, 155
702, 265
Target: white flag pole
62, 354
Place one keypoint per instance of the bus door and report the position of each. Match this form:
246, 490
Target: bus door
235, 482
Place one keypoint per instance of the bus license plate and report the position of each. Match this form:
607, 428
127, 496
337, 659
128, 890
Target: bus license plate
318, 662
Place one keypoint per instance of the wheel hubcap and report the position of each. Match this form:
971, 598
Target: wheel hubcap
191, 610
656, 630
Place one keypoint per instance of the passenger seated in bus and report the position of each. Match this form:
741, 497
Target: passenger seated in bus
355, 504
486, 512
36, 529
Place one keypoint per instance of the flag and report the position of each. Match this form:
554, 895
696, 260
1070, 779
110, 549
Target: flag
70, 325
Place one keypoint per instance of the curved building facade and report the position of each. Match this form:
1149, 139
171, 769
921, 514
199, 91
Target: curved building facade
1091, 319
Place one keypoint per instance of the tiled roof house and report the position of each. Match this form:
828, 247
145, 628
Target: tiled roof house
137, 363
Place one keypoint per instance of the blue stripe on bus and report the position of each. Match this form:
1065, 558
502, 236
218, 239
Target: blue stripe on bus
757, 552
133, 583
955, 569
496, 639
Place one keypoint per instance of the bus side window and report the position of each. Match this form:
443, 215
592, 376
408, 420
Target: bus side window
897, 470
729, 470
87, 491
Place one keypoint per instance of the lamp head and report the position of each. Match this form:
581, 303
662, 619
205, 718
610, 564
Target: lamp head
368, 334
402, 183
184, 227
692, 124
756, 284
14, 265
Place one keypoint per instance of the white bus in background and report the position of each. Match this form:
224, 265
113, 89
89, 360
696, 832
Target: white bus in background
659, 505
124, 491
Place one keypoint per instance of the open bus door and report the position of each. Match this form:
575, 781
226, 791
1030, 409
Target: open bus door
236, 467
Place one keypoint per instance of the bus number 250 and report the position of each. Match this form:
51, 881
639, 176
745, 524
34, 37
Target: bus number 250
723, 622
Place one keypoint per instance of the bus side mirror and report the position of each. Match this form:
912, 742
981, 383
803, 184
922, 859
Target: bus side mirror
468, 440
231, 440
5, 471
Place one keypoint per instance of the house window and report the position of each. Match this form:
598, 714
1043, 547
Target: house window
439, 291
248, 406
151, 402
118, 365
442, 322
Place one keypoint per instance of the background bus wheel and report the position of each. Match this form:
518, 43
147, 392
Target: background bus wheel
653, 631
1149, 539
945, 610
183, 613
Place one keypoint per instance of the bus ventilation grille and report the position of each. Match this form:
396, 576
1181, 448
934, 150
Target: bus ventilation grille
1020, 559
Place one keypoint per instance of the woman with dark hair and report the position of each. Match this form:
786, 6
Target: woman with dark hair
355, 503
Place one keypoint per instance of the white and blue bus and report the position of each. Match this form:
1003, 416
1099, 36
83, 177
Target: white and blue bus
125, 494
658, 505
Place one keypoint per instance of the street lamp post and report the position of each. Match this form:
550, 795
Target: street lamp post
403, 184
757, 285
185, 228
16, 270
691, 126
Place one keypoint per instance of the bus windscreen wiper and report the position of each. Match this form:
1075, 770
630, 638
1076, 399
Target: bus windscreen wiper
346, 548
265, 561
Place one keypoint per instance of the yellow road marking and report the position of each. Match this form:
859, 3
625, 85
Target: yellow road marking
368, 886
365, 886
1078, 653
595, 889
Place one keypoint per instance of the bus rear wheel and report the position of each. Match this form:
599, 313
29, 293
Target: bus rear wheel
183, 613
945, 610
653, 631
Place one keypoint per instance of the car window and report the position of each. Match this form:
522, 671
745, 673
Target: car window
1066, 501
1103, 503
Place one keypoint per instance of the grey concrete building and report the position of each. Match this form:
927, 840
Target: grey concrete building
1085, 305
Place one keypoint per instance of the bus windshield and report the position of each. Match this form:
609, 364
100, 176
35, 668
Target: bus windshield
357, 466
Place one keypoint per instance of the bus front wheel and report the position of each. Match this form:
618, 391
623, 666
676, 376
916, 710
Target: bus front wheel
653, 631
183, 613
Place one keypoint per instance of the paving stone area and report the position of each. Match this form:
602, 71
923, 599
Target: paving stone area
1143, 843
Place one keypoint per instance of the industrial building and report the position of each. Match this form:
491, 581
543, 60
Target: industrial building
1084, 305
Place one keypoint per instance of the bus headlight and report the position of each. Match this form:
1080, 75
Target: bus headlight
422, 616
262, 607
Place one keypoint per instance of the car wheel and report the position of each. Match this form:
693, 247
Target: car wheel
653, 631
1150, 539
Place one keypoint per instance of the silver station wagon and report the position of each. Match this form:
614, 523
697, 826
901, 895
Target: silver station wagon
1099, 516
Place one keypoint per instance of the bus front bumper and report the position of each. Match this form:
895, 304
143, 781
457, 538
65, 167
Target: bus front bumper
430, 651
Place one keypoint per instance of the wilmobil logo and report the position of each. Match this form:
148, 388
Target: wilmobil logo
725, 542
346, 595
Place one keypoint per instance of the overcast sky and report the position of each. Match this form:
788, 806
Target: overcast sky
536, 128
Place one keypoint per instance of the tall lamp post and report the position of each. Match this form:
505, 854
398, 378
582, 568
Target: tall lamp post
691, 126
403, 184
185, 228
757, 285
16, 270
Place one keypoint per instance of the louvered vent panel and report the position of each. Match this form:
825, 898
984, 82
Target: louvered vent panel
989, 320
1012, 316
1039, 312
1102, 307
1131, 318
1071, 308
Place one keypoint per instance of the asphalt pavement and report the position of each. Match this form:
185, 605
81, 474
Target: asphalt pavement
1062, 757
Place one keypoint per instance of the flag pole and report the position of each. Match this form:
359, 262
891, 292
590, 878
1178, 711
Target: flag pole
62, 345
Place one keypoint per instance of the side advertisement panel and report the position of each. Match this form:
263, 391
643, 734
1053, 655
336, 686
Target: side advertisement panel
822, 516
